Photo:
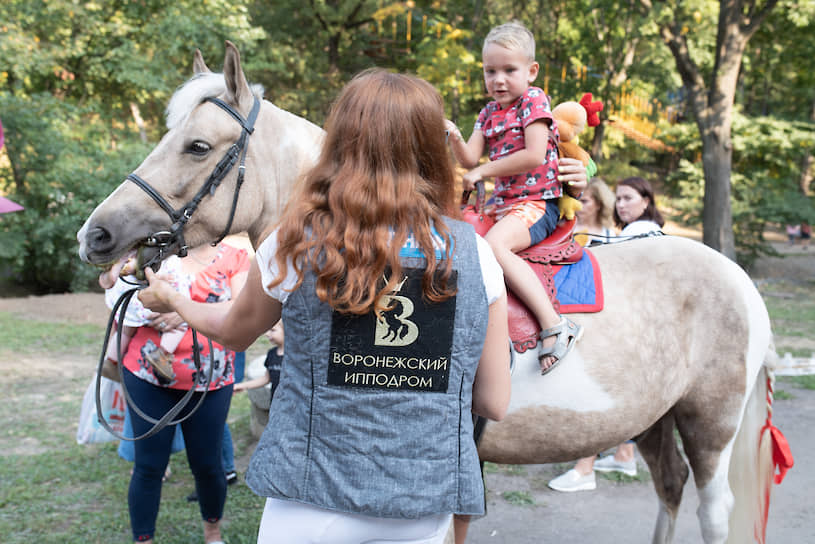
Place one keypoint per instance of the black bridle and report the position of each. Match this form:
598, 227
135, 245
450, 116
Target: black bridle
163, 240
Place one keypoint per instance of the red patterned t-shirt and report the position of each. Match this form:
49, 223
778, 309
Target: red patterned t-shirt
504, 133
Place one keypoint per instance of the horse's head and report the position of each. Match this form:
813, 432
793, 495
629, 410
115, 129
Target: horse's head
187, 191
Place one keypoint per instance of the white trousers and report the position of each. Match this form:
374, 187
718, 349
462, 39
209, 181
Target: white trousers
289, 522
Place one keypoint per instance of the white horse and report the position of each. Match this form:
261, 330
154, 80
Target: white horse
682, 343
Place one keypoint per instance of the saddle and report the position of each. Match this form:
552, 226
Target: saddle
545, 259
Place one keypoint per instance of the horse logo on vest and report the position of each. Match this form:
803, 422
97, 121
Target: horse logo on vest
393, 328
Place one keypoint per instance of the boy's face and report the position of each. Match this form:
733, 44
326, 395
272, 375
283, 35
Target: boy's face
275, 334
507, 73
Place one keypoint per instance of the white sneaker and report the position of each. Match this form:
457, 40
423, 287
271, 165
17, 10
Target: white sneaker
610, 464
573, 481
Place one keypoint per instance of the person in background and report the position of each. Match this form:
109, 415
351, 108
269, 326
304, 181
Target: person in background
636, 213
273, 362
793, 232
160, 355
595, 221
806, 233
214, 274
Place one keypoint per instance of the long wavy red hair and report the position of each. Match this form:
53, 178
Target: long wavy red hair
384, 173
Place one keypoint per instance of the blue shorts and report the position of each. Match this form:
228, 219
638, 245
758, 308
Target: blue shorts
540, 216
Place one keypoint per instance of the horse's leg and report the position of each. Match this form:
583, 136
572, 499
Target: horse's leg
669, 472
709, 449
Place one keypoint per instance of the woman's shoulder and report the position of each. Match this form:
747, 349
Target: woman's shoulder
643, 226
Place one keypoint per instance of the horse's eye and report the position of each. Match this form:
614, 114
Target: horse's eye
199, 148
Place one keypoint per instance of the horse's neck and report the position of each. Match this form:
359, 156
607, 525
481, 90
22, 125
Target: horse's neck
288, 147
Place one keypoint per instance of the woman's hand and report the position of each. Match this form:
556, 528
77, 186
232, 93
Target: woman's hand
165, 322
159, 296
572, 174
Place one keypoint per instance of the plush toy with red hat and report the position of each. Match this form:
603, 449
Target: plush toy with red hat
571, 118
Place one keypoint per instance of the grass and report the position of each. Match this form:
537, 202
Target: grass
56, 491
806, 382
28, 336
792, 311
518, 498
78, 493
510, 470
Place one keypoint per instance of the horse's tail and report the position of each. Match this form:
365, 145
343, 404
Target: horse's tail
751, 464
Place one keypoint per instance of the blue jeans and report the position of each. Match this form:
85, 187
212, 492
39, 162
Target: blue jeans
228, 450
203, 437
127, 449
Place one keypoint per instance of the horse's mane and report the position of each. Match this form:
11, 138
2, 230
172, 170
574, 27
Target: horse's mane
196, 90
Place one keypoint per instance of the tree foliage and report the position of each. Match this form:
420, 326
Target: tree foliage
76, 78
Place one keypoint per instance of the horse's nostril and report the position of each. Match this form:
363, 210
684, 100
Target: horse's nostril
99, 239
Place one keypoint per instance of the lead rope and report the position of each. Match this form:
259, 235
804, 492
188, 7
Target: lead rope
166, 419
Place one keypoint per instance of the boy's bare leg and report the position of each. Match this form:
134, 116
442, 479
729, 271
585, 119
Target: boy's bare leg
508, 236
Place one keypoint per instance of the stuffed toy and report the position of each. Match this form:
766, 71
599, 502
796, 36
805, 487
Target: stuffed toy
571, 118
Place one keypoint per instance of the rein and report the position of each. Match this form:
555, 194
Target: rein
166, 419
174, 237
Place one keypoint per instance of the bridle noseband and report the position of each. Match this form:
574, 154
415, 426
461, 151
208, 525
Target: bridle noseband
163, 240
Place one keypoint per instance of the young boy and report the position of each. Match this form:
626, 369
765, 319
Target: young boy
274, 357
521, 136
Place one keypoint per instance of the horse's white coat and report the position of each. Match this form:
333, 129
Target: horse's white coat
558, 387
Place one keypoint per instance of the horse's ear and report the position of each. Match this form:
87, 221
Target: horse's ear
237, 88
198, 64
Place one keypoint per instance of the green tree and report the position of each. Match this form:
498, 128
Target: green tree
74, 79
711, 88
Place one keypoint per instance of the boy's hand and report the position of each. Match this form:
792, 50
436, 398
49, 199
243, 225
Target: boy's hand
470, 179
453, 133
238, 387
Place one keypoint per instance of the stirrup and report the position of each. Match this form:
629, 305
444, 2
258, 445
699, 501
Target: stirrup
568, 333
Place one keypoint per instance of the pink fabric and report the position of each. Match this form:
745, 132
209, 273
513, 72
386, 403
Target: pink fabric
7, 206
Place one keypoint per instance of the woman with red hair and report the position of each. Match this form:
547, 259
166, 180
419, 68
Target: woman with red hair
396, 330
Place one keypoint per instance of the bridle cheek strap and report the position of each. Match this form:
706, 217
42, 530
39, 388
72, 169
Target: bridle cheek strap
180, 217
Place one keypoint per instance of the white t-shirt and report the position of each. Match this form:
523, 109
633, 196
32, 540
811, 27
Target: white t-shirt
490, 270
643, 226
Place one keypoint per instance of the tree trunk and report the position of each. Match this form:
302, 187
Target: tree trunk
134, 110
717, 155
597, 140
806, 164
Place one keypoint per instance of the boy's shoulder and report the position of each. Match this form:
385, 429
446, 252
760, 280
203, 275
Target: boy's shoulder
535, 93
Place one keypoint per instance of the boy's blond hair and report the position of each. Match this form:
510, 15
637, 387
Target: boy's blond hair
513, 35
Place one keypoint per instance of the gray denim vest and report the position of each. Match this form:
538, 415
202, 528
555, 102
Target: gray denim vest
397, 450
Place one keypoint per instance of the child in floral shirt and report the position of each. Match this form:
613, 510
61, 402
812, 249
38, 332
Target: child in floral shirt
520, 134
